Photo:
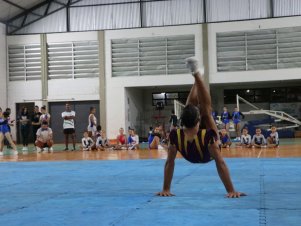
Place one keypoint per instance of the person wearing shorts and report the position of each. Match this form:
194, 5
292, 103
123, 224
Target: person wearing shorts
92, 120
225, 117
236, 117
44, 140
5, 132
69, 128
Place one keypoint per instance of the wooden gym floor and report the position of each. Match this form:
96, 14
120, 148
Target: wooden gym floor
289, 148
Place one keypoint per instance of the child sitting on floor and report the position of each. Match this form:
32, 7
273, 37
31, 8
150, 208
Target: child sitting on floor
225, 139
258, 140
87, 142
98, 131
245, 139
102, 142
273, 139
133, 140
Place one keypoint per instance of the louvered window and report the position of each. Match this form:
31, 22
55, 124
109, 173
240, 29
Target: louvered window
73, 60
231, 51
259, 50
151, 56
24, 62
289, 47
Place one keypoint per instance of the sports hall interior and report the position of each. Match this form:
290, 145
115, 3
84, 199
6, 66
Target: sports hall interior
127, 59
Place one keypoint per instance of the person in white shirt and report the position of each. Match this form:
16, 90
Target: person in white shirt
87, 142
44, 140
45, 117
69, 126
273, 139
258, 140
92, 120
102, 142
245, 139
133, 140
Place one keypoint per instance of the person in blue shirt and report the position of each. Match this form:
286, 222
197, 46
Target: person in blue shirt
154, 138
225, 139
225, 117
5, 132
214, 116
133, 140
236, 117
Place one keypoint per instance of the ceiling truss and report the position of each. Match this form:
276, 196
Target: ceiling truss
36, 13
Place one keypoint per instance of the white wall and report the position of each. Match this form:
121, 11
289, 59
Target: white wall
76, 89
72, 36
134, 112
23, 91
119, 88
116, 104
58, 89
249, 76
3, 96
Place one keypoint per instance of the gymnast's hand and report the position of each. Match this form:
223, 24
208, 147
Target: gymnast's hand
235, 194
165, 194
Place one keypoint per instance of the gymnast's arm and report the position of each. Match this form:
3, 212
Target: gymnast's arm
168, 171
223, 171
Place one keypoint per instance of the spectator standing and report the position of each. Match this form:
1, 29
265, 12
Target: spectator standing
24, 125
236, 117
69, 126
45, 116
92, 120
35, 122
173, 120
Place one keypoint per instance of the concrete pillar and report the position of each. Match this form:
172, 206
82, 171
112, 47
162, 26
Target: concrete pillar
205, 45
102, 81
3, 70
44, 69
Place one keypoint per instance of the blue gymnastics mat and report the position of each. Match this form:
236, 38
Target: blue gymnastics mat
122, 193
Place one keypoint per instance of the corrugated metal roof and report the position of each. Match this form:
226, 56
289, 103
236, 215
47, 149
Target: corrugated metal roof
12, 8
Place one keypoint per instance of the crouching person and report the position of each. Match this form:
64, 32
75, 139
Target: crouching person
44, 140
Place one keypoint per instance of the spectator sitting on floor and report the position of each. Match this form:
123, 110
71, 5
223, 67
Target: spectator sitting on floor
102, 142
154, 138
121, 140
258, 140
87, 142
133, 140
225, 139
273, 139
245, 139
98, 131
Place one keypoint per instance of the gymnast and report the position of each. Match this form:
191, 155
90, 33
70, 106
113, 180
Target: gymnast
198, 140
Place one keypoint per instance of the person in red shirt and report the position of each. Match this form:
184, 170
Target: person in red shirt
198, 141
121, 140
